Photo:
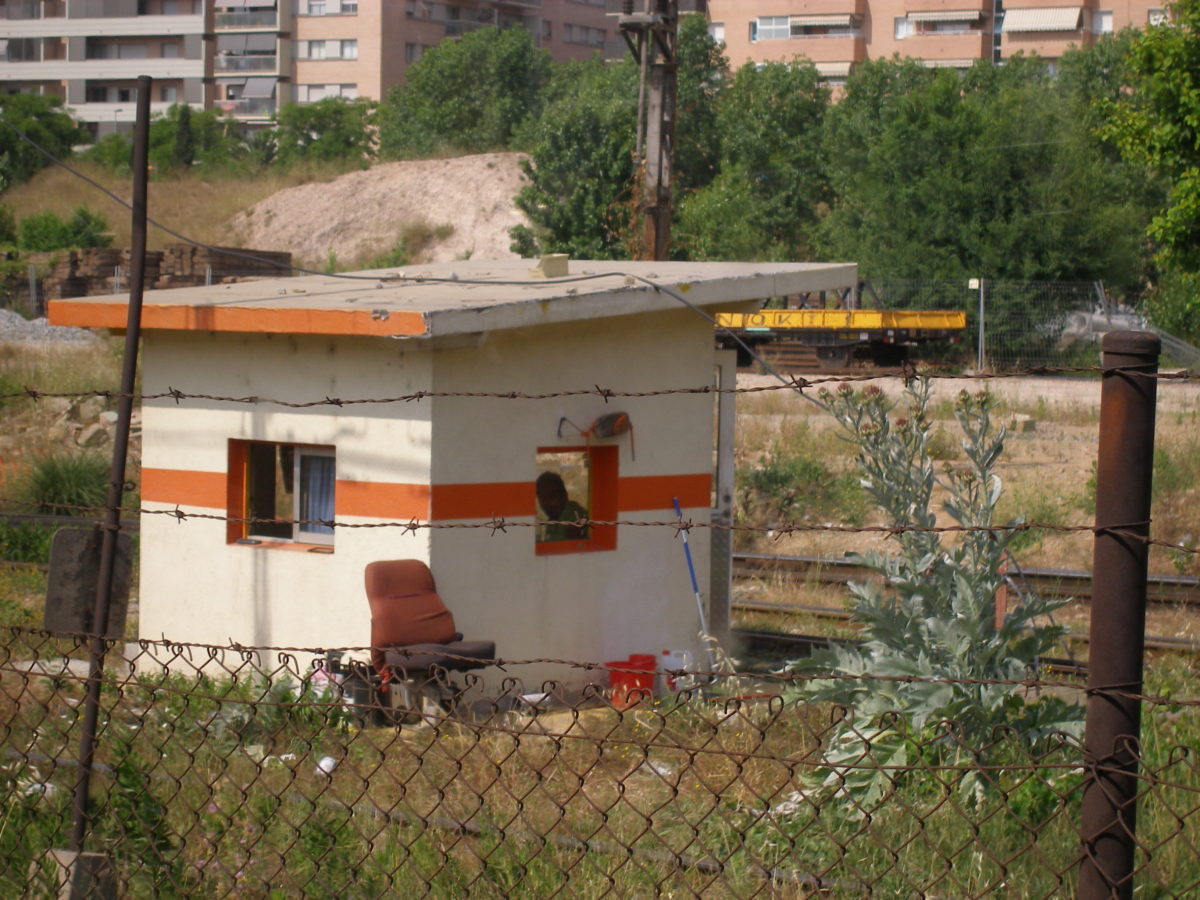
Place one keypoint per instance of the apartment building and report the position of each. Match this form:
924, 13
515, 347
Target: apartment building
248, 57
838, 34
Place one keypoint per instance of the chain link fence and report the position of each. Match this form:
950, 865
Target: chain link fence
250, 772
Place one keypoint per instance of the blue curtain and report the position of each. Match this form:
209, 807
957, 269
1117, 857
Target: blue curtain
316, 493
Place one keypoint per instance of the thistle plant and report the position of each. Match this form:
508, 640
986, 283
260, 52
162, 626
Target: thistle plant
931, 615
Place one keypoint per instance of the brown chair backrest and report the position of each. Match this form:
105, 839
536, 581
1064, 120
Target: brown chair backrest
405, 606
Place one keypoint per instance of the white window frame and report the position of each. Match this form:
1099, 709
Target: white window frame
773, 28
902, 28
300, 534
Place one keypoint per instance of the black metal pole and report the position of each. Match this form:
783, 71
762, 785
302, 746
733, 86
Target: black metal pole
1112, 743
116, 482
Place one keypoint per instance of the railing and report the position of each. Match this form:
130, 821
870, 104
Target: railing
245, 63
460, 27
855, 33
254, 107
264, 19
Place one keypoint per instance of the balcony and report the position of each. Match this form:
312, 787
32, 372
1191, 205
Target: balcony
140, 26
245, 63
103, 69
252, 108
240, 21
459, 27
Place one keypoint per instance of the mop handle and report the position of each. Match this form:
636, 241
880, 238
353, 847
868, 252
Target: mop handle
687, 549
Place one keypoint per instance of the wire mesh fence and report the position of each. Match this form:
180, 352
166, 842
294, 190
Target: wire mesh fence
255, 772
1025, 323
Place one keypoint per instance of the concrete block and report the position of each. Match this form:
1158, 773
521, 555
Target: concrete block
80, 876
552, 265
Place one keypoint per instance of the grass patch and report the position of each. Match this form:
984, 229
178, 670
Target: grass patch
785, 474
1035, 504
212, 790
415, 239
1176, 500
22, 597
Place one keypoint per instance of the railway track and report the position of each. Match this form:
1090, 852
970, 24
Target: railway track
1177, 589
1162, 589
777, 646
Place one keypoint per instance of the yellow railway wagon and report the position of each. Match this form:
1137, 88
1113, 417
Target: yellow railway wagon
835, 338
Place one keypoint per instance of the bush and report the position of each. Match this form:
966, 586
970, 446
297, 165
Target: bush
58, 483
930, 621
46, 231
791, 480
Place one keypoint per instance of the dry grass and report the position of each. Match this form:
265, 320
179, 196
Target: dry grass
193, 205
1047, 474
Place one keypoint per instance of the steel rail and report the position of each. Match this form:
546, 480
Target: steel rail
1161, 588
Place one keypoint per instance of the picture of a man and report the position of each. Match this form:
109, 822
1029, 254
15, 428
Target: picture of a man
556, 511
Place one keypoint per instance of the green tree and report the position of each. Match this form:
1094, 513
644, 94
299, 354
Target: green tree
703, 72
8, 227
580, 195
43, 120
183, 150
205, 137
580, 169
765, 201
330, 130
993, 173
1157, 124
466, 96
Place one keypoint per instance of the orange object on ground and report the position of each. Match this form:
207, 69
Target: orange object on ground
630, 688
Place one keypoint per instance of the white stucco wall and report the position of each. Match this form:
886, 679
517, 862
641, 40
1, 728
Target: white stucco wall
590, 607
194, 585
581, 606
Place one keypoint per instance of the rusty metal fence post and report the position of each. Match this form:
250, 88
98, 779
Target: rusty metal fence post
1112, 746
97, 646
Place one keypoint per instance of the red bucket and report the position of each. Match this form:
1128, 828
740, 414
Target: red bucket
631, 687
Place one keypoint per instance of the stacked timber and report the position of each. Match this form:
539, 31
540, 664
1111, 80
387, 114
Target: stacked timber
101, 270
95, 270
185, 265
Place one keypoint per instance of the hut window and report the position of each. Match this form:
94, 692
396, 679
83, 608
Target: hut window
284, 491
574, 488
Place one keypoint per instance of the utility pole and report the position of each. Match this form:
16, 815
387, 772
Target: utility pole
651, 28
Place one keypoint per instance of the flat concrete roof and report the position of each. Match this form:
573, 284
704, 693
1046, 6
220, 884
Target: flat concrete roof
462, 297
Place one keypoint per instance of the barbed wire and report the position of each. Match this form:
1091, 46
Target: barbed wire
790, 383
500, 524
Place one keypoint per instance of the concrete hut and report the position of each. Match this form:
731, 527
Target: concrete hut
447, 459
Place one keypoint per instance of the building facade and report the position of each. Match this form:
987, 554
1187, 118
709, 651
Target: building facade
295, 501
248, 57
838, 34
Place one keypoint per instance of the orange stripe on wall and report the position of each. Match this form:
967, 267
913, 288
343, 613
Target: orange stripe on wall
649, 492
395, 500
482, 501
185, 488
382, 500
288, 320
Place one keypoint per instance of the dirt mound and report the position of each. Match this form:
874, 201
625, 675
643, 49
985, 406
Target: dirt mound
363, 214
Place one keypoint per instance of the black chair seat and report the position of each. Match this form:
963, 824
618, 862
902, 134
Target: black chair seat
480, 654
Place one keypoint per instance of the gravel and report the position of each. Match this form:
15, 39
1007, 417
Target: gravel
16, 329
